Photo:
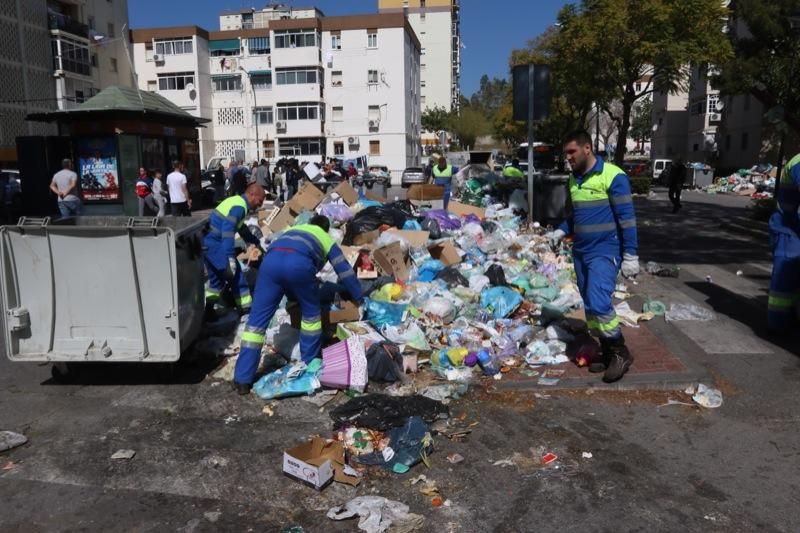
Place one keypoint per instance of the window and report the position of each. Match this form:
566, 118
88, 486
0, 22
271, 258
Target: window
744, 140
224, 47
152, 85
301, 146
175, 81
374, 112
110, 30
299, 111
374, 148
258, 46
226, 83
372, 77
336, 78
336, 40
113, 64
71, 55
338, 114
261, 82
372, 38
712, 103
295, 38
170, 47
422, 83
422, 16
422, 100
229, 116
296, 76
422, 68
638, 87
422, 51
94, 60
338, 148
263, 116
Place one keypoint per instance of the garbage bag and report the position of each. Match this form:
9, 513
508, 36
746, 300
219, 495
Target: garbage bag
372, 218
446, 222
412, 225
428, 270
410, 443
544, 294
403, 205
291, 380
376, 514
381, 412
368, 286
384, 313
388, 293
501, 301
336, 212
496, 275
390, 237
440, 307
655, 307
411, 336
287, 342
431, 225
478, 283
688, 312
452, 277
489, 226
384, 362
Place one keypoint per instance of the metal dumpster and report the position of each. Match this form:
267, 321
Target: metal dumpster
101, 288
551, 198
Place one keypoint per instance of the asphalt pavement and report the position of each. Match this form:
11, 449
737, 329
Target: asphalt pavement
208, 460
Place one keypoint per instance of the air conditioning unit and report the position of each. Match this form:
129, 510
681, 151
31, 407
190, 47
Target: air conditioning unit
280, 125
714, 117
158, 58
352, 141
374, 123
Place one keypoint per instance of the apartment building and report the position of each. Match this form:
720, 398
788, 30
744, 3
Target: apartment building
437, 23
280, 83
53, 55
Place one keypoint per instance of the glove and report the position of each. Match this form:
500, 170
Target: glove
630, 265
233, 264
555, 237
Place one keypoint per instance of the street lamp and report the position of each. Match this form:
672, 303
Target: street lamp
256, 117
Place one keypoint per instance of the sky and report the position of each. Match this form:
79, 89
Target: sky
489, 29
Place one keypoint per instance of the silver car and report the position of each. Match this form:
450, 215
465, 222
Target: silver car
412, 176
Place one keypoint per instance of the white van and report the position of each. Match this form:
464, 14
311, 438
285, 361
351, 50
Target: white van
659, 166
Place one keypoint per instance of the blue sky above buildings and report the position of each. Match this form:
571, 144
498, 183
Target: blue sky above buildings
489, 30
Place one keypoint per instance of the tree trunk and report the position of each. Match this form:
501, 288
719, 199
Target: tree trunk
622, 134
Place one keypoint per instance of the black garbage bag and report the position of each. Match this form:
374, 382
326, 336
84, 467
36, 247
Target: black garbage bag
410, 443
403, 205
488, 226
384, 362
496, 275
431, 225
382, 412
372, 218
452, 277
368, 286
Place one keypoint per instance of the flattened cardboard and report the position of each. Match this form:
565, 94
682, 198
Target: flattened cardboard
280, 219
307, 198
426, 191
369, 195
416, 239
446, 253
366, 238
316, 463
463, 210
346, 192
392, 261
349, 312
364, 330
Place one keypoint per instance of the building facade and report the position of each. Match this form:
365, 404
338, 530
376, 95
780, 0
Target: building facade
292, 86
53, 55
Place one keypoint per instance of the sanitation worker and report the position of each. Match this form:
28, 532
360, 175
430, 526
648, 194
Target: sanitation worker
604, 229
442, 174
222, 267
290, 268
784, 226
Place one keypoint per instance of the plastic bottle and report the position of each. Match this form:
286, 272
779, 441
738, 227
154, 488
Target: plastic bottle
487, 362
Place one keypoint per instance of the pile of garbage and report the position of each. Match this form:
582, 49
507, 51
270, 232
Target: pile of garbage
757, 182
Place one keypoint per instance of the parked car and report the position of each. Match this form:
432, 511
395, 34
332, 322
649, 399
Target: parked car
412, 176
636, 168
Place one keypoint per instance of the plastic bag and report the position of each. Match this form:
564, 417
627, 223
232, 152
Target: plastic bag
336, 212
388, 293
688, 312
381, 412
390, 237
411, 336
496, 275
384, 313
501, 301
545, 294
409, 444
372, 218
478, 283
443, 218
466, 294
431, 225
412, 225
452, 277
287, 342
440, 307
384, 362
428, 270
291, 380
518, 201
655, 307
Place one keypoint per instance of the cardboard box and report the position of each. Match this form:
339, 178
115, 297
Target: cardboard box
369, 195
349, 312
306, 199
446, 253
463, 210
416, 239
346, 192
364, 330
423, 192
311, 170
392, 261
366, 238
318, 462
280, 219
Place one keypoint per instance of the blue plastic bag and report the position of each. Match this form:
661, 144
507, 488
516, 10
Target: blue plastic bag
411, 443
428, 270
501, 301
412, 225
382, 314
291, 380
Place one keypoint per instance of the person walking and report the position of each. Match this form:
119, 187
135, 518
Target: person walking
262, 176
219, 255
144, 190
677, 176
784, 227
604, 226
180, 201
65, 185
290, 268
159, 193
442, 174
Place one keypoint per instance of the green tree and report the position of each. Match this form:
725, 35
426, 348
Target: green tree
469, 124
642, 123
436, 119
490, 96
765, 37
511, 132
612, 45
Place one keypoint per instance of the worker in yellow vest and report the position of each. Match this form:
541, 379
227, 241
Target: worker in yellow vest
443, 175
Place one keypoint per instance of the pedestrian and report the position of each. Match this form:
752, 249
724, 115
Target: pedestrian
442, 174
239, 181
604, 227
513, 170
159, 193
292, 179
144, 190
262, 176
222, 267
351, 171
65, 185
290, 268
677, 176
784, 227
179, 198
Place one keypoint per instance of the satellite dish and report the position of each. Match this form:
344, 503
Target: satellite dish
191, 90
719, 106
655, 128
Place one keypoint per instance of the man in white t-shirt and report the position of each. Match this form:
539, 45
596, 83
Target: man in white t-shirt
65, 186
180, 202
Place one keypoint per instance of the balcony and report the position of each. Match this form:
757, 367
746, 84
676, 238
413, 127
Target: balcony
70, 55
57, 21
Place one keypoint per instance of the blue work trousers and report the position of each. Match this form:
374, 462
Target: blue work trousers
447, 183
216, 262
597, 280
784, 287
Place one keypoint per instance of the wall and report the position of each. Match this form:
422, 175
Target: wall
671, 118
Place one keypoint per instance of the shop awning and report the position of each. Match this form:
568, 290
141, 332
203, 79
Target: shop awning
224, 76
223, 45
259, 72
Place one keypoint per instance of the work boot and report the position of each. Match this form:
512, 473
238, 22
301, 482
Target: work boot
620, 361
243, 389
600, 365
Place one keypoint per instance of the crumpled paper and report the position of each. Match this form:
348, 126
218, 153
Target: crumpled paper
377, 514
10, 439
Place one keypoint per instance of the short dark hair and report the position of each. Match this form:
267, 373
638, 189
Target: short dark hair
321, 221
176, 163
581, 137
